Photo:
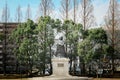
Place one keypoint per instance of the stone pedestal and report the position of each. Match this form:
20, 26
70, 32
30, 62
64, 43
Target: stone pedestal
61, 71
60, 67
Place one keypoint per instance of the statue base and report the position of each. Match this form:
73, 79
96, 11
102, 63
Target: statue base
60, 67
61, 71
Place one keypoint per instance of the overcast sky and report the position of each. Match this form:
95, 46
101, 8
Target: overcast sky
100, 8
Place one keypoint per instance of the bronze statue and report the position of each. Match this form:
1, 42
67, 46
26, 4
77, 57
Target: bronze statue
60, 51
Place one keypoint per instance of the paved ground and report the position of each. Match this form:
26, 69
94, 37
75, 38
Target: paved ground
106, 79
40, 79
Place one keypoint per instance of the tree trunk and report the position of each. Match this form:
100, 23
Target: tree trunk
50, 61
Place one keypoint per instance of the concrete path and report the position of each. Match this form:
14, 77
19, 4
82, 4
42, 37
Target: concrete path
53, 78
106, 79
40, 78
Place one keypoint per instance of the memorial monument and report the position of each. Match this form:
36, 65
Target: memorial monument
60, 64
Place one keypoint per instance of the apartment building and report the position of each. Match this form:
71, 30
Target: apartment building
7, 59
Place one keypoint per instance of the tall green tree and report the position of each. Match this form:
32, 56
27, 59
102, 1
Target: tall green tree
45, 39
23, 37
87, 17
73, 36
65, 27
92, 39
94, 46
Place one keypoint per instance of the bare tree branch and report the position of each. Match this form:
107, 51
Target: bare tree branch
28, 12
5, 14
75, 7
112, 21
87, 16
18, 14
46, 7
65, 7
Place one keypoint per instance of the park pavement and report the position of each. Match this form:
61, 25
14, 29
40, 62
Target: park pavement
106, 79
47, 79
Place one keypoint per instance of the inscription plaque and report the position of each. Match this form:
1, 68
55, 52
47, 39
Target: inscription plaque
60, 65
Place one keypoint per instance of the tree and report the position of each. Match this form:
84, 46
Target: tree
112, 26
75, 6
5, 19
18, 14
74, 31
95, 40
28, 12
45, 39
65, 7
65, 27
18, 18
87, 16
87, 19
25, 42
46, 7
5, 14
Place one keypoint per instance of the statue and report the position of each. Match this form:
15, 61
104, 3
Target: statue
60, 49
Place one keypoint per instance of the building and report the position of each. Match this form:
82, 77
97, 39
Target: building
7, 59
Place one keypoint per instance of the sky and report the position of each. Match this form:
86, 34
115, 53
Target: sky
100, 8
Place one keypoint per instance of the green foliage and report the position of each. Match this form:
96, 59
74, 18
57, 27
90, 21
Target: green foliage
25, 42
34, 41
57, 25
85, 50
45, 38
94, 44
98, 35
73, 34
45, 30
